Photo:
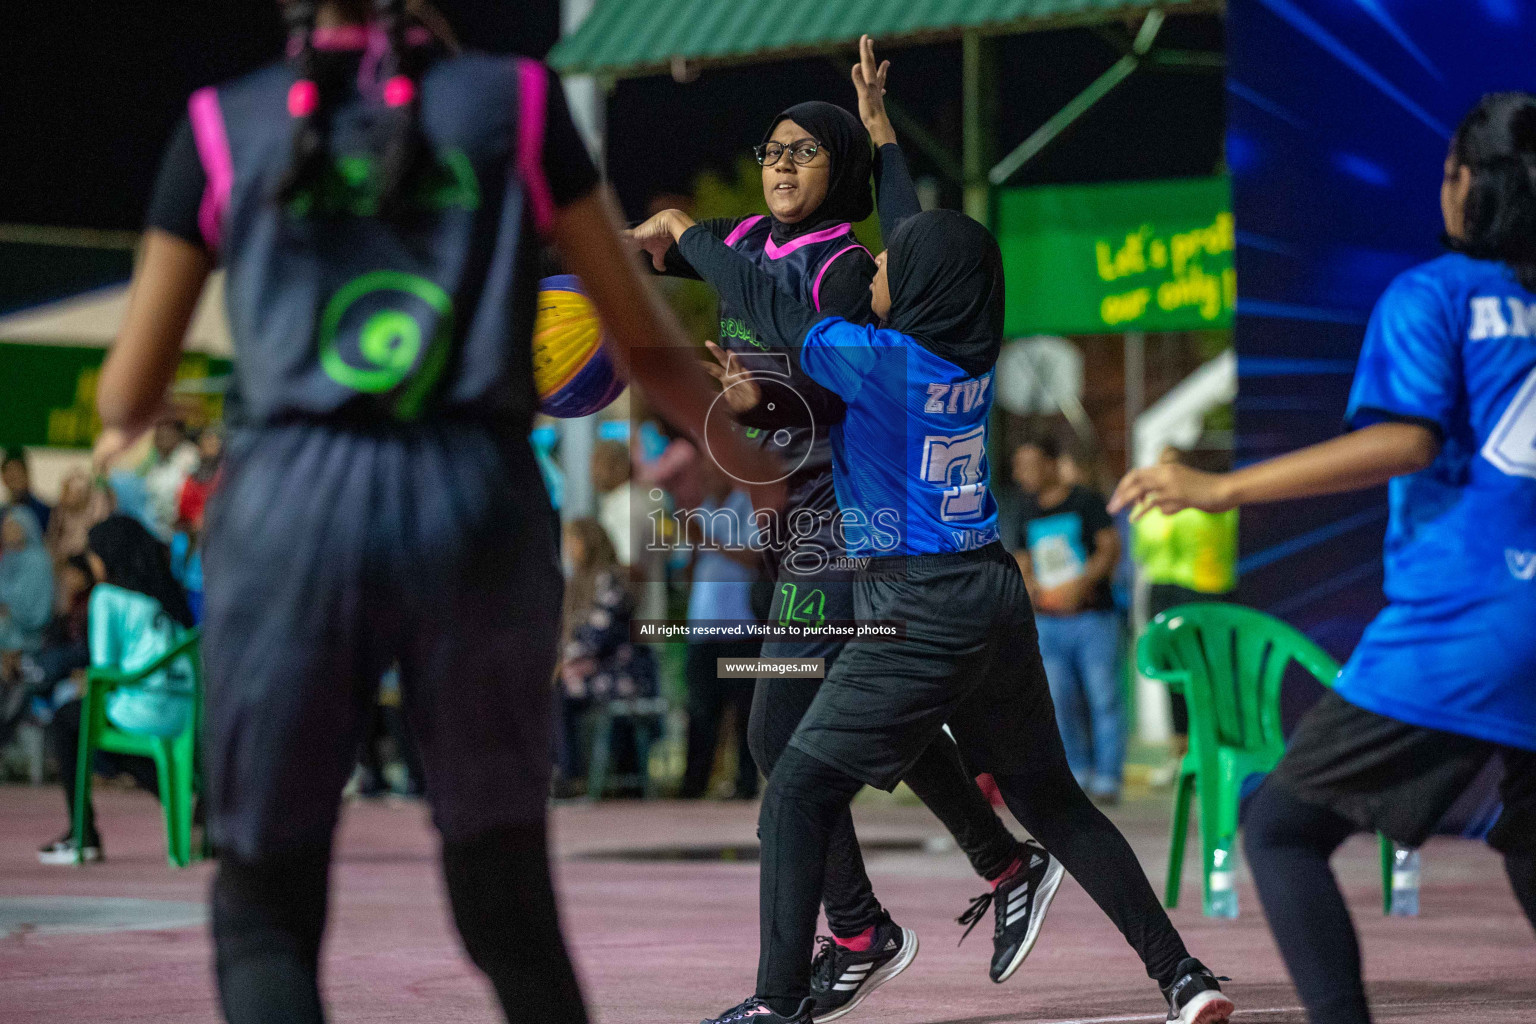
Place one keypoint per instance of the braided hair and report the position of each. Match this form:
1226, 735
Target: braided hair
306, 105
1497, 142
318, 87
405, 147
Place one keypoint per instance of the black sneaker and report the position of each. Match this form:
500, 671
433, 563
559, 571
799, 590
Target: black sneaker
842, 979
1196, 996
1018, 905
62, 850
755, 1011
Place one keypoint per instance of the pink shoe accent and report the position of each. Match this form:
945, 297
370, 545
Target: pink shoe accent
860, 943
1009, 872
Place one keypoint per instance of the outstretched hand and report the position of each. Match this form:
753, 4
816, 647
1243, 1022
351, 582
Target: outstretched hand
1170, 488
740, 390
656, 235
869, 82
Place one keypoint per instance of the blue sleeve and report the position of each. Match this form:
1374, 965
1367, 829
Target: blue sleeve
841, 356
1410, 364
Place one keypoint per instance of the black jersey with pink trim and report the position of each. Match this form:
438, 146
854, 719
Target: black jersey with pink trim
338, 314
800, 266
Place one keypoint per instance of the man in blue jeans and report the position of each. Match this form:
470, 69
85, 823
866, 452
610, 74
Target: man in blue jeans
1067, 546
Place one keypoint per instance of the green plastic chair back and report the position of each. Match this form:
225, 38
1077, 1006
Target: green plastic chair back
175, 757
1229, 662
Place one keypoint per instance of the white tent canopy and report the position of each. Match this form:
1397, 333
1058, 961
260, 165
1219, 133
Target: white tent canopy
92, 319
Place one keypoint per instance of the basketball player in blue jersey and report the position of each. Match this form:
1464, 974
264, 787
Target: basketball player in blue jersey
912, 482
816, 168
377, 202
1443, 407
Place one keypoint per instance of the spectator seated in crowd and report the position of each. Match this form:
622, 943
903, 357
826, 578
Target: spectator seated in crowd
83, 503
599, 661
17, 478
38, 681
26, 586
136, 613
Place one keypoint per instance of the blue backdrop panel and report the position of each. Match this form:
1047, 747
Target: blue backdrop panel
1339, 114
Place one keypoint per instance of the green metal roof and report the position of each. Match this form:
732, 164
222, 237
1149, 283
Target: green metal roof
636, 37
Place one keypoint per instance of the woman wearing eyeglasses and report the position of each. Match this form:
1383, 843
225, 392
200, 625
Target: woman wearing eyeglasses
816, 166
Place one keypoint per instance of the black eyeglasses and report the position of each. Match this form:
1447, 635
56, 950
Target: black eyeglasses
801, 151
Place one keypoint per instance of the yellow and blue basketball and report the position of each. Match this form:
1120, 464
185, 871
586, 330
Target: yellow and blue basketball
572, 369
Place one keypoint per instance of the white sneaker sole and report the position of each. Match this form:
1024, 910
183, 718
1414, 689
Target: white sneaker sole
1054, 873
1207, 1008
61, 857
877, 978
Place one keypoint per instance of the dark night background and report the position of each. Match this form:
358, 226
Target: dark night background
92, 90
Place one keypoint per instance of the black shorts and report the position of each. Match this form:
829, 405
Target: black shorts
332, 555
970, 658
1399, 779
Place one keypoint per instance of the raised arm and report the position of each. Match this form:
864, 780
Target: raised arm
895, 195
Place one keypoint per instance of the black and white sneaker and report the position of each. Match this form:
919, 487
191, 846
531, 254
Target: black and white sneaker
62, 850
1196, 996
755, 1011
1019, 905
842, 978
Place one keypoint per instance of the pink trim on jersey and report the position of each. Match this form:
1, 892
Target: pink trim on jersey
826, 234
816, 288
219, 167
532, 96
357, 37
740, 230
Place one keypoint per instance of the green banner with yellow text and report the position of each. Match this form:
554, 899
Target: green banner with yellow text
1133, 256
48, 397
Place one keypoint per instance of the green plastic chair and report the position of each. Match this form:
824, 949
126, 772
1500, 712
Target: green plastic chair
1228, 661
175, 757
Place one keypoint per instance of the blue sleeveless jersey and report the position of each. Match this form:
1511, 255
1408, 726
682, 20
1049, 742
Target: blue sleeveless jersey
910, 456
797, 267
1452, 344
337, 314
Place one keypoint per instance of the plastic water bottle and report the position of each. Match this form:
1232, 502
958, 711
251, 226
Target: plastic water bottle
1405, 882
1223, 899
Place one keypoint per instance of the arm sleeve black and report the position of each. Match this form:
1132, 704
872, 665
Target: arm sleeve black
895, 195
844, 287
179, 187
778, 319
720, 227
567, 164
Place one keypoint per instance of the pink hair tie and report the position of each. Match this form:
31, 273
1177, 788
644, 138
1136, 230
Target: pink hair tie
303, 98
399, 91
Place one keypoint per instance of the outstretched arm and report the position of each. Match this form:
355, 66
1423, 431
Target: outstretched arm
1360, 459
780, 320
895, 195
587, 233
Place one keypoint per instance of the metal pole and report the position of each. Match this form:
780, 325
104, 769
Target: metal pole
578, 437
1153, 722
979, 102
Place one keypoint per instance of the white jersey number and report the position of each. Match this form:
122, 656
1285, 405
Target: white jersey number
1512, 445
957, 459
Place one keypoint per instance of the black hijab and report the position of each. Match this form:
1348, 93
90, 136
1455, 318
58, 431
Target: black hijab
846, 142
135, 560
946, 280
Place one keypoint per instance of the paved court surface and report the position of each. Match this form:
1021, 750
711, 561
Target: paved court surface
662, 940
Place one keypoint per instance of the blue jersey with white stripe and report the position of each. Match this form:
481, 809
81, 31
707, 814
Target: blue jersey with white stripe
909, 459
1452, 344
